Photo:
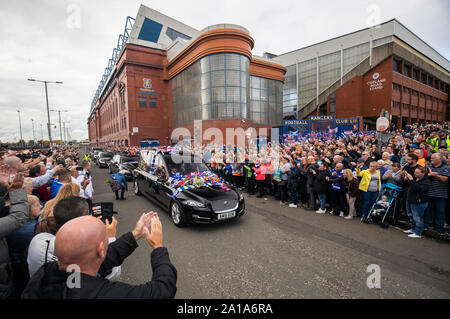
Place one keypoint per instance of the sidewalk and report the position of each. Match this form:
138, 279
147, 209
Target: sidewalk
402, 224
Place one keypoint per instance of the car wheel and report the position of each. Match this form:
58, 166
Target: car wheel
177, 215
136, 188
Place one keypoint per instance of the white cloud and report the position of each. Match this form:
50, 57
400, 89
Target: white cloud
37, 42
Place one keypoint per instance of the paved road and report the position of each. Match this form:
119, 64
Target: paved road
275, 251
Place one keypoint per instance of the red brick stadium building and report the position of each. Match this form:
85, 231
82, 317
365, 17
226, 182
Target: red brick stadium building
164, 75
168, 75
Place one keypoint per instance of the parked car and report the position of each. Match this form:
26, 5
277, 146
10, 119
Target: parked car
94, 154
201, 205
124, 163
103, 159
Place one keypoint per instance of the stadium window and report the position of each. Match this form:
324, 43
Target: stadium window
173, 34
122, 98
424, 78
143, 101
416, 74
396, 65
406, 70
152, 102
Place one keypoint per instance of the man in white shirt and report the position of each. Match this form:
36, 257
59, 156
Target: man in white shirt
85, 177
75, 179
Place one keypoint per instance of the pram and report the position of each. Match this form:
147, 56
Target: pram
392, 192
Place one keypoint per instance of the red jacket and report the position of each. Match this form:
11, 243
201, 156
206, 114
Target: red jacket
260, 173
43, 193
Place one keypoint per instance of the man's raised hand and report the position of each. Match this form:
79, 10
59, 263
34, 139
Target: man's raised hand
155, 236
142, 226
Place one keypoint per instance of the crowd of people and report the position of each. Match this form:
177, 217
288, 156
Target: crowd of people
47, 194
344, 175
47, 228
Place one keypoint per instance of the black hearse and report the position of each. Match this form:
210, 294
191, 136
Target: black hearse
201, 205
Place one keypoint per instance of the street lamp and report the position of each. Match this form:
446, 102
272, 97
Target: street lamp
42, 135
48, 111
20, 126
34, 136
64, 123
59, 114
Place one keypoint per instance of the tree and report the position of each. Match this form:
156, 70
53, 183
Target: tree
57, 142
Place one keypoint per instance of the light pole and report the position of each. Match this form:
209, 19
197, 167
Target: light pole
48, 110
42, 136
34, 136
66, 134
59, 114
20, 126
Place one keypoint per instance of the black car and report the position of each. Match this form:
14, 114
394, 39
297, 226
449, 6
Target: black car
123, 163
201, 205
103, 159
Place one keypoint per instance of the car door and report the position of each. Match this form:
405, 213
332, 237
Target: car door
164, 189
155, 180
141, 171
149, 179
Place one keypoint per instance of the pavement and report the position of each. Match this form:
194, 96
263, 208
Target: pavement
275, 251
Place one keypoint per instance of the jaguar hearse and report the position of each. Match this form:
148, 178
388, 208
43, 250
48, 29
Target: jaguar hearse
204, 204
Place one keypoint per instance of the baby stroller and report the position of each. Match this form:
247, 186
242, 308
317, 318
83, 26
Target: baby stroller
387, 216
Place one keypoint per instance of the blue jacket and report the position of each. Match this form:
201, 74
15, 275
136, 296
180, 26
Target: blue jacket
336, 186
228, 169
121, 179
383, 170
54, 189
19, 241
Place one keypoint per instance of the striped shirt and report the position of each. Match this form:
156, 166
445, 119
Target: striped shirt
437, 188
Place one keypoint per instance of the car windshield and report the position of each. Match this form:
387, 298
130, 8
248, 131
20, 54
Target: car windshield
128, 159
184, 167
106, 155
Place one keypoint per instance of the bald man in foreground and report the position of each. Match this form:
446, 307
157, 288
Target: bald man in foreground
83, 242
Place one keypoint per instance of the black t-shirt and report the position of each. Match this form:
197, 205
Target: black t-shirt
411, 169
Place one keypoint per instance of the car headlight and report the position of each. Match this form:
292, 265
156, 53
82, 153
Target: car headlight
193, 203
241, 197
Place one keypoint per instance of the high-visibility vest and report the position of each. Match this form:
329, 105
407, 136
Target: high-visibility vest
448, 142
249, 170
434, 142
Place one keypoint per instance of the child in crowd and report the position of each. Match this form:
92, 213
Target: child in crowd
382, 205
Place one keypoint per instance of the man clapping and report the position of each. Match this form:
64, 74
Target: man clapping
83, 242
